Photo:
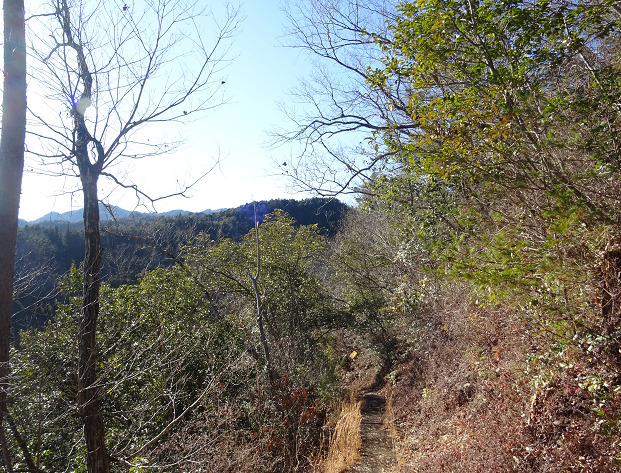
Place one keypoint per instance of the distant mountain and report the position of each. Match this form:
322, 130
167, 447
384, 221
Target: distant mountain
71, 217
172, 213
75, 216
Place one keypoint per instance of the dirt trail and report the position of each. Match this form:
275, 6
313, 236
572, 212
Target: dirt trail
377, 454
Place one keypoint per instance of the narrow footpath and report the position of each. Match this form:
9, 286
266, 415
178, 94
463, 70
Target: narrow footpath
377, 453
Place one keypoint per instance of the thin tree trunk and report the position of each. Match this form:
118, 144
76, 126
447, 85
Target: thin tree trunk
88, 395
11, 170
32, 467
271, 372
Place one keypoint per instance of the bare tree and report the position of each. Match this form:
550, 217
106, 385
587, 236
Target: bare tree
11, 169
106, 71
336, 110
273, 376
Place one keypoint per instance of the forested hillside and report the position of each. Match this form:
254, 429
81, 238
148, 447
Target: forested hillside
45, 252
477, 284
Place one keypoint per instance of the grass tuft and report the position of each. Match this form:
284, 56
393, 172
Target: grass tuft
345, 441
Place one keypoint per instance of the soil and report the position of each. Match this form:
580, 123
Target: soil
377, 453
366, 376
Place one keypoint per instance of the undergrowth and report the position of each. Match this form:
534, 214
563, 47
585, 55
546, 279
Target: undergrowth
482, 390
344, 440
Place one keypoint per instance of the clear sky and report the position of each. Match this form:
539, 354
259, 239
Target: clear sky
260, 76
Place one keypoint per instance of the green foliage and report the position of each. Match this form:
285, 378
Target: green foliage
178, 349
296, 306
510, 178
160, 351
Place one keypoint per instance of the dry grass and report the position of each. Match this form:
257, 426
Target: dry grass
345, 441
467, 400
457, 404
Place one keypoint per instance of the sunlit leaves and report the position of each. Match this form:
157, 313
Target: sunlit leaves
509, 171
294, 303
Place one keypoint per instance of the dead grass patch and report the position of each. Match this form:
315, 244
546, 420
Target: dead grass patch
345, 441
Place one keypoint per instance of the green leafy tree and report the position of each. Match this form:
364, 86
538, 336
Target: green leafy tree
494, 123
163, 355
487, 87
296, 314
296, 307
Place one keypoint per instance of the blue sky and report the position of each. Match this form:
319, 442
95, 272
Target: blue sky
260, 76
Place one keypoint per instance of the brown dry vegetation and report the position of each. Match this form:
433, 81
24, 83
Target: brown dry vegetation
344, 440
485, 394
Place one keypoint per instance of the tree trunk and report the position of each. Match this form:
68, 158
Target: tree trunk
11, 169
271, 372
88, 396
97, 460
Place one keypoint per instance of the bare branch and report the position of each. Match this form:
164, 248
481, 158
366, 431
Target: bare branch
338, 107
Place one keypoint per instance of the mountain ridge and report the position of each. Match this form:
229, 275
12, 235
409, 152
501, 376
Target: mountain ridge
107, 213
